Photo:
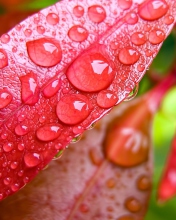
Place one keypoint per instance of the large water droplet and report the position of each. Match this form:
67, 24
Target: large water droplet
51, 88
169, 19
133, 93
73, 109
144, 183
138, 38
91, 72
128, 55
5, 38
8, 147
78, 11
153, 9
3, 59
106, 99
133, 205
48, 132
78, 33
156, 36
96, 13
32, 159
29, 89
21, 130
52, 18
5, 98
125, 4
44, 52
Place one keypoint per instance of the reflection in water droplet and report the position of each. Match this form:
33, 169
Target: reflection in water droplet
106, 99
48, 132
78, 33
78, 11
133, 205
5, 38
144, 183
58, 155
32, 159
133, 93
128, 55
156, 36
96, 13
3, 59
73, 109
5, 98
52, 18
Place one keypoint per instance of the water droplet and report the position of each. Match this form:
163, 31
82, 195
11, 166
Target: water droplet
26, 179
168, 19
32, 159
20, 147
58, 155
153, 9
131, 18
29, 89
51, 88
78, 11
126, 217
28, 32
138, 38
73, 109
40, 29
133, 93
8, 147
21, 130
133, 205
93, 72
21, 117
7, 181
14, 165
144, 183
48, 52
128, 55
1, 196
96, 13
52, 18
3, 59
14, 49
140, 67
76, 139
125, 4
5, 38
15, 187
18, 27
156, 36
42, 119
5, 98
21, 173
4, 136
78, 33
148, 53
110, 183
84, 208
48, 132
106, 99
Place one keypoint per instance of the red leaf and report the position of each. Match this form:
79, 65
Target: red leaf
112, 62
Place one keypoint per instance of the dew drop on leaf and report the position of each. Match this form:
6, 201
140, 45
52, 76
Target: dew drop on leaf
125, 4
20, 146
96, 13
51, 88
40, 29
133, 205
48, 52
15, 187
7, 181
78, 33
106, 99
28, 32
32, 159
168, 19
131, 18
7, 147
5, 38
5, 98
73, 109
14, 165
138, 38
48, 132
144, 183
91, 72
3, 59
156, 36
21, 130
52, 19
78, 11
128, 55
153, 9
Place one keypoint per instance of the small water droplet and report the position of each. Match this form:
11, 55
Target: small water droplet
14, 165
78, 11
48, 132
140, 67
125, 4
73, 109
168, 19
128, 55
106, 99
7, 181
26, 179
21, 173
5, 98
14, 49
40, 29
110, 183
29, 89
20, 147
5, 38
52, 18
21, 117
138, 38
21, 130
15, 187
3, 59
76, 139
133, 205
42, 119
18, 27
96, 13
133, 93
84, 208
78, 33
153, 9
131, 18
93, 72
144, 183
51, 88
48, 54
58, 155
156, 36
8, 147
148, 53
4, 136
32, 159
28, 32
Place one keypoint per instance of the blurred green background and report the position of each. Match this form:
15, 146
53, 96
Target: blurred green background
164, 125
